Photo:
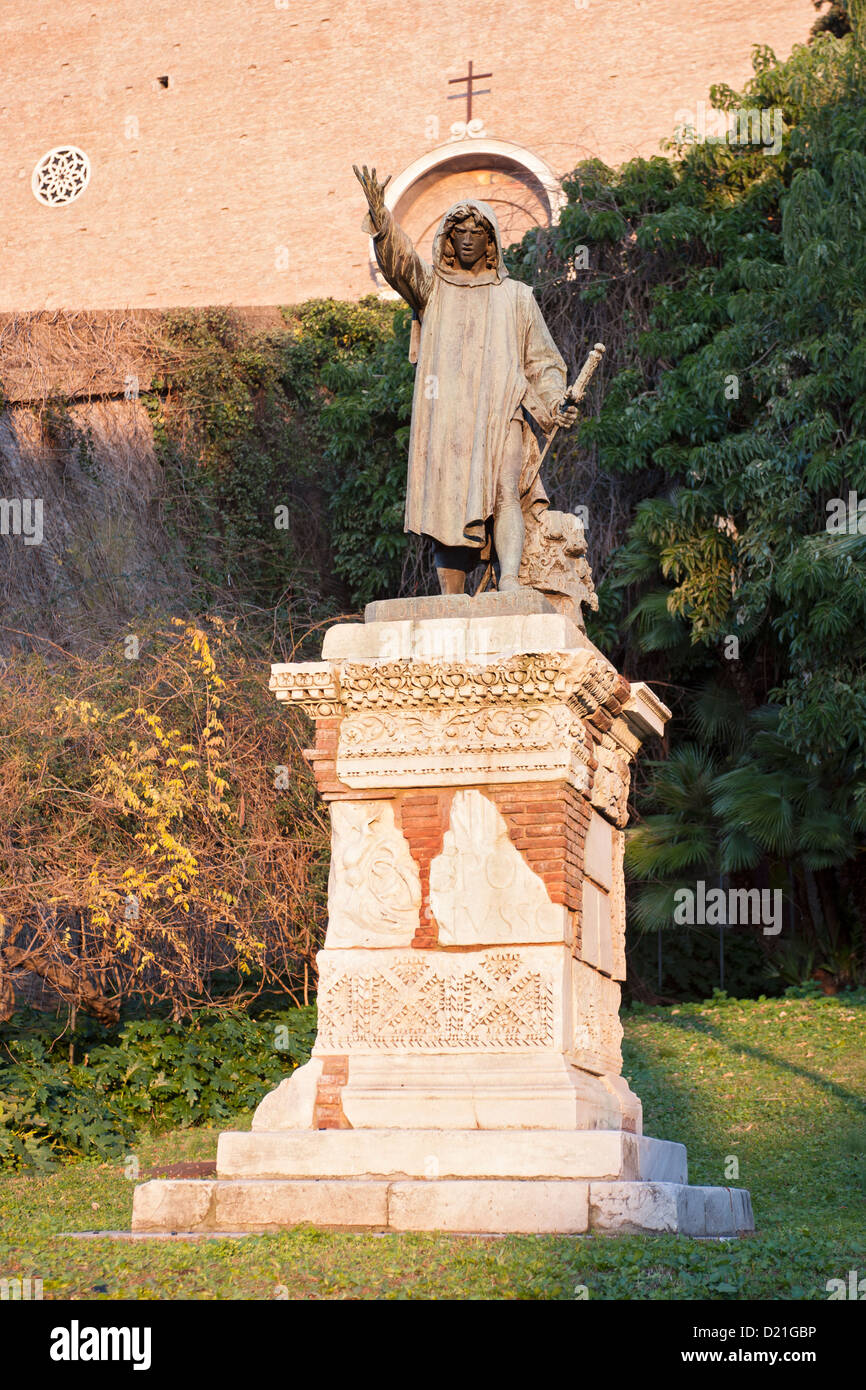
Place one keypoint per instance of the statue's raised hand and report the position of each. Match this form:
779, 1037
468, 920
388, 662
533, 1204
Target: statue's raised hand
373, 189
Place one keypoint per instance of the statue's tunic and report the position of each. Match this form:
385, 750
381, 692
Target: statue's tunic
485, 357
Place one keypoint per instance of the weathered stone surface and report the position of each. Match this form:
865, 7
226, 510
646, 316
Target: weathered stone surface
263, 1205
617, 907
597, 1030
554, 560
374, 891
454, 638
610, 786
484, 1204
635, 1207
291, 1105
455, 745
728, 1211
482, 891
435, 1154
312, 684
259, 1205
409, 723
744, 1219
369, 641
669, 1207
172, 1204
596, 942
659, 1160
501, 1206
691, 1211
645, 712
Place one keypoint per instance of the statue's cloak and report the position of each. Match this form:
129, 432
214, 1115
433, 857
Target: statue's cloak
485, 358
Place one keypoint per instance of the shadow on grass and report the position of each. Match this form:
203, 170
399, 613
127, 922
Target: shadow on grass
760, 1054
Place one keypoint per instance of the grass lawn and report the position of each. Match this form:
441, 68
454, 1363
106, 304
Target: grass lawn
779, 1086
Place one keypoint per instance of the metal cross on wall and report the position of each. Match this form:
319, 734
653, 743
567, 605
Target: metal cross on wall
469, 78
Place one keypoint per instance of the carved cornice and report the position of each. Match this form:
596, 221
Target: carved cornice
645, 712
429, 684
314, 685
581, 680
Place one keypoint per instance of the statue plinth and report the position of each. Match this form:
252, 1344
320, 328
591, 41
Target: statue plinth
467, 1070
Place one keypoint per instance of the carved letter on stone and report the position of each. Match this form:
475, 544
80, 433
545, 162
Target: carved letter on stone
482, 891
374, 892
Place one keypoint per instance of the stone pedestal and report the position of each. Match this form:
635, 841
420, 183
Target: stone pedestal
467, 1070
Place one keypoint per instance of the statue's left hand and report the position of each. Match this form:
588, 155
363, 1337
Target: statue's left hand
374, 189
564, 418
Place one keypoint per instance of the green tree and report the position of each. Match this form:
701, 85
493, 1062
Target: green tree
741, 403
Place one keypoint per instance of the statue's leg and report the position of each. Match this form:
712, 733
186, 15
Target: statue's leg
451, 581
508, 524
453, 563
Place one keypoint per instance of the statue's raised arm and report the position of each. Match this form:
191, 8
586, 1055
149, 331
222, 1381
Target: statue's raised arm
397, 258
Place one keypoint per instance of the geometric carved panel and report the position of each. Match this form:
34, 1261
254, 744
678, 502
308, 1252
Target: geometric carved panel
416, 1001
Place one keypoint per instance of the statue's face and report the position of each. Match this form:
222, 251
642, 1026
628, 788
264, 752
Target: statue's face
470, 243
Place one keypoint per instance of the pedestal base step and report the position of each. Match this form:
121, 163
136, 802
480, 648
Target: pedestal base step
469, 1205
611, 1154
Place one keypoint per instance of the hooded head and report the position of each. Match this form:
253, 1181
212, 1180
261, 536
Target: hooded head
445, 262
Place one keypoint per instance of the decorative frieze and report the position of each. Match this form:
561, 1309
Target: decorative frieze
580, 679
451, 746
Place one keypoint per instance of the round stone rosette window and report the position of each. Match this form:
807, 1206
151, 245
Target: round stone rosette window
61, 176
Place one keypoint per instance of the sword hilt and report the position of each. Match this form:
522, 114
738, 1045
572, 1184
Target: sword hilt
577, 390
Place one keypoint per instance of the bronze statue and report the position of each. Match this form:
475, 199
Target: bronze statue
486, 364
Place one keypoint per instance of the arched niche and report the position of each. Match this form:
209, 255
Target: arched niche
522, 190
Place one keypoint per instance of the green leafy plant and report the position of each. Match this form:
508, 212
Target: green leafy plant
153, 1073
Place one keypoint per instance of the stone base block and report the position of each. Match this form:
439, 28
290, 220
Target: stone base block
515, 1207
472, 1206
669, 1208
448, 1154
258, 1205
490, 604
